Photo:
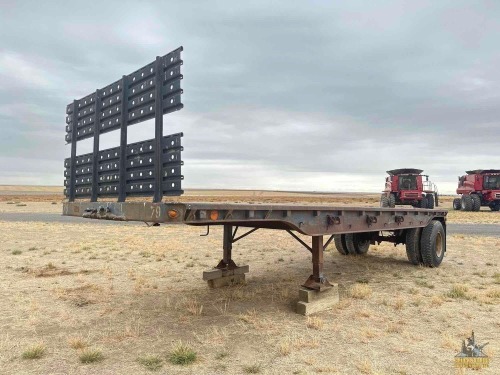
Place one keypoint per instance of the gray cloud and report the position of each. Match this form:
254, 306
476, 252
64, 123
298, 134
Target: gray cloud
286, 95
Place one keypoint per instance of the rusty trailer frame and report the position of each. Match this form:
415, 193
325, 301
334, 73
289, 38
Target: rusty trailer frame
376, 224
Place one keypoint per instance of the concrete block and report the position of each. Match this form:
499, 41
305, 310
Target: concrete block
312, 301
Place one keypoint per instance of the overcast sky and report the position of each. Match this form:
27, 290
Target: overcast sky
293, 95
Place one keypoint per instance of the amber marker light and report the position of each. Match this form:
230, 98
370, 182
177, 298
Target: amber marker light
172, 214
214, 215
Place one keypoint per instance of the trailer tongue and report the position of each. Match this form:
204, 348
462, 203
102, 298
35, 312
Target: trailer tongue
152, 168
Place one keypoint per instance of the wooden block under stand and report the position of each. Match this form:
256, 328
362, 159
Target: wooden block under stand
312, 301
226, 281
217, 278
217, 273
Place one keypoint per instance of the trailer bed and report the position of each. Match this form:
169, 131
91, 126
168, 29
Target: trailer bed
305, 219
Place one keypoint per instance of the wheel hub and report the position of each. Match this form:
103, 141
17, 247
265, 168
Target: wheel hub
439, 245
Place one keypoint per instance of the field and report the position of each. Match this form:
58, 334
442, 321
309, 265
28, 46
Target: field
123, 298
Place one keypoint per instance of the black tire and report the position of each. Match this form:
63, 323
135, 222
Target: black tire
430, 201
423, 202
433, 244
340, 245
457, 204
392, 201
436, 199
466, 203
357, 243
476, 202
384, 201
413, 246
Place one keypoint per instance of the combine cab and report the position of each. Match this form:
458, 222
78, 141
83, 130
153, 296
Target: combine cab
478, 188
409, 187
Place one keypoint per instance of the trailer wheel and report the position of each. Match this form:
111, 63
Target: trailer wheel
476, 202
384, 201
433, 244
392, 201
430, 201
357, 243
340, 244
413, 246
457, 204
466, 203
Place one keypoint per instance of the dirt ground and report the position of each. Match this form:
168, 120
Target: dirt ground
134, 292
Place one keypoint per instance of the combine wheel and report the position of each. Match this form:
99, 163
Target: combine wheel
392, 201
467, 203
433, 244
340, 244
430, 201
457, 204
384, 201
476, 202
357, 243
495, 206
423, 202
413, 246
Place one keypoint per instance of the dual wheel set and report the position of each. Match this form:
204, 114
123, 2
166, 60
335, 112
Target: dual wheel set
472, 202
424, 246
427, 201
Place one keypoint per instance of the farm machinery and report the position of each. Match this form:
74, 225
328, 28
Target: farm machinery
408, 186
480, 187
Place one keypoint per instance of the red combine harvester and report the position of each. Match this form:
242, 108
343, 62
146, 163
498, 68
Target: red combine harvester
480, 187
407, 186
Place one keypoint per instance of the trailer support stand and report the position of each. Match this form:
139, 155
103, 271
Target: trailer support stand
226, 272
317, 294
317, 281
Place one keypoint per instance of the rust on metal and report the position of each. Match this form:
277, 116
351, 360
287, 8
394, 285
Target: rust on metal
307, 220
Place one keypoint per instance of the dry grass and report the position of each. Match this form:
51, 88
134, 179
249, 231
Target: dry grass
252, 369
458, 291
151, 362
494, 293
399, 304
448, 341
360, 291
182, 354
77, 342
88, 283
394, 328
368, 333
36, 351
292, 343
90, 355
315, 322
365, 367
193, 307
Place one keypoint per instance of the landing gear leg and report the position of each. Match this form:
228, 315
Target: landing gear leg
226, 272
317, 294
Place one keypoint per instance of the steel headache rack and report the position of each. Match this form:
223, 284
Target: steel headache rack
104, 179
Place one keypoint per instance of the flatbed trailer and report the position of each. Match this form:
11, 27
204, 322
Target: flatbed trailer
413, 227
152, 168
